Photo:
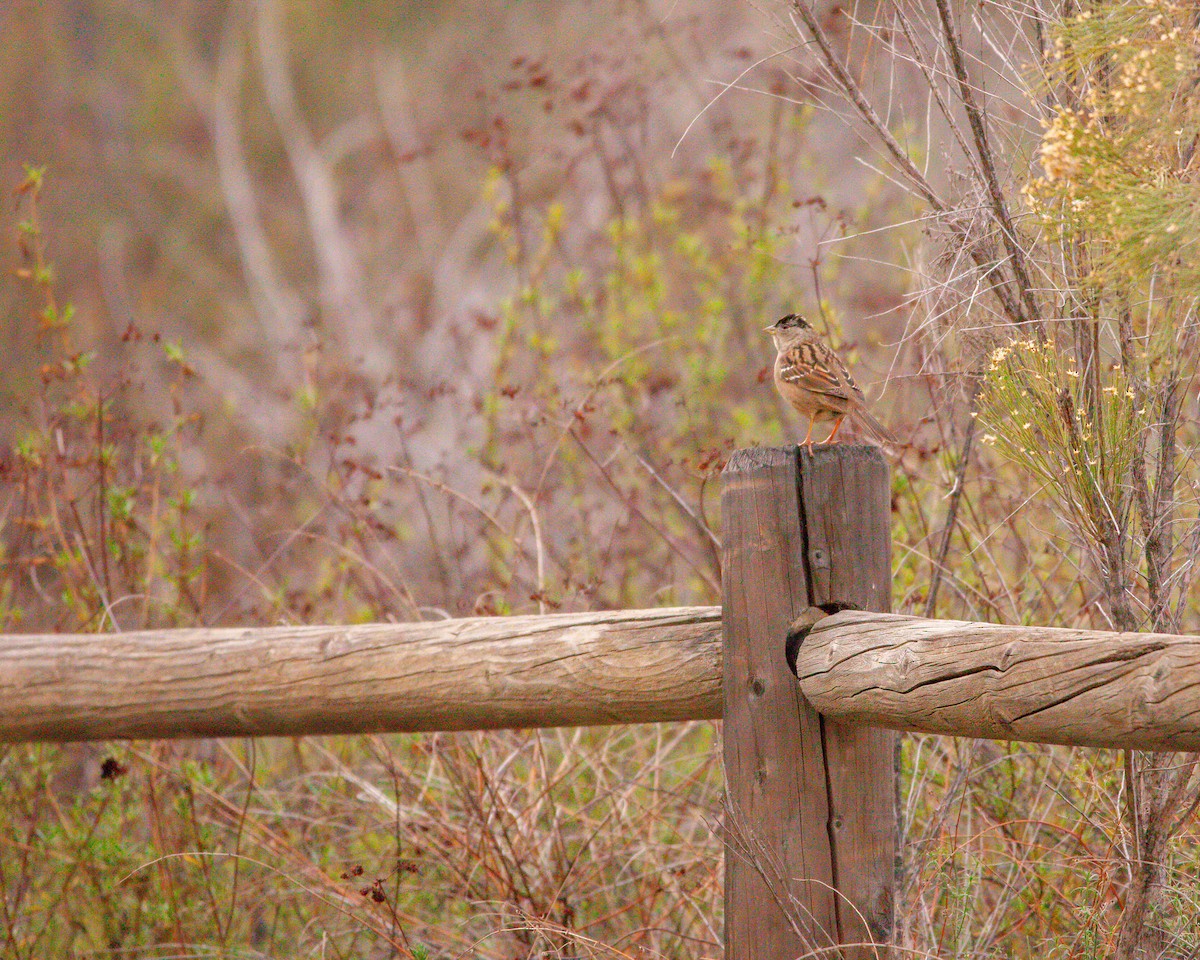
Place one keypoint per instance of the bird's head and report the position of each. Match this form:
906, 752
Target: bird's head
793, 321
787, 327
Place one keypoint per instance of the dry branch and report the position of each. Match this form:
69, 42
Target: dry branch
1044, 685
484, 673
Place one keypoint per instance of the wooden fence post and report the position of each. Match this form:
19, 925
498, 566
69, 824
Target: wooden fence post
810, 812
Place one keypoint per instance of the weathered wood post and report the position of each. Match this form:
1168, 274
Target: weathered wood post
810, 812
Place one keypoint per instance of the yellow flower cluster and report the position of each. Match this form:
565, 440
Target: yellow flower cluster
1059, 156
1115, 159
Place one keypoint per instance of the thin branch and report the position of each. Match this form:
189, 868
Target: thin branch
987, 163
956, 495
854, 93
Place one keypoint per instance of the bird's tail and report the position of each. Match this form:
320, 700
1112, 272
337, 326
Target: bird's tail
875, 428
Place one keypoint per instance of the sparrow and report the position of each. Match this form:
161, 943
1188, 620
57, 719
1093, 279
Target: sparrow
813, 379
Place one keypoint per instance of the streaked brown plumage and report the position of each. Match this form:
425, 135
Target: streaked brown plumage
813, 379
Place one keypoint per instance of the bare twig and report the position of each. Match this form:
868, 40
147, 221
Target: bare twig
853, 92
987, 165
955, 497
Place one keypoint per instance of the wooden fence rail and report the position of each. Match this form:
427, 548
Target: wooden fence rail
810, 776
1081, 688
476, 674
1086, 688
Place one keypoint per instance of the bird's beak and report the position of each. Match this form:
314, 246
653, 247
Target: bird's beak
770, 329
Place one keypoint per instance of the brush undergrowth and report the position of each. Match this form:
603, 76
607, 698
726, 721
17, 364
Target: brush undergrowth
585, 440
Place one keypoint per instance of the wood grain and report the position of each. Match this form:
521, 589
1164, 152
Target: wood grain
1082, 688
779, 898
846, 504
471, 674
810, 806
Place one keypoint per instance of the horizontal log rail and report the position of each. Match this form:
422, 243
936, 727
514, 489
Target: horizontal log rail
1038, 684
1083, 688
474, 674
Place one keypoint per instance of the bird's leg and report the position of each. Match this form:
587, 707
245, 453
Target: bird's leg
808, 436
836, 427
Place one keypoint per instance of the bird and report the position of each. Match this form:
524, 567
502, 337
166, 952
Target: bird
815, 381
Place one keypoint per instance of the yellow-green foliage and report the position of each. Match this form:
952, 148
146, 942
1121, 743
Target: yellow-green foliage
1119, 154
1038, 411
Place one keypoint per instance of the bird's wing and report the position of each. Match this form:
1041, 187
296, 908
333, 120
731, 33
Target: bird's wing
811, 367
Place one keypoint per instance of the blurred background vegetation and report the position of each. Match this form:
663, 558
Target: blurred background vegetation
351, 312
